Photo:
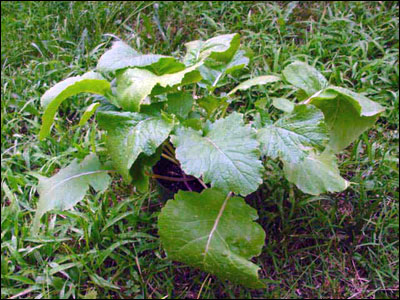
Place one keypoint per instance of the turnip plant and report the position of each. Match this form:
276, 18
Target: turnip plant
156, 107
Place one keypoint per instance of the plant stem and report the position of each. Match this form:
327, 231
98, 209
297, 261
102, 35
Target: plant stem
217, 79
224, 111
171, 178
185, 182
202, 183
168, 152
170, 159
170, 148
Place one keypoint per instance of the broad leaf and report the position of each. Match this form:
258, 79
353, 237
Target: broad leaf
260, 80
65, 189
180, 104
347, 114
283, 104
305, 77
90, 110
226, 154
214, 73
220, 48
214, 233
316, 174
135, 85
122, 56
118, 57
90, 82
292, 136
130, 134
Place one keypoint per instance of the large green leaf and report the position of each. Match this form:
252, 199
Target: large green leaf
226, 154
90, 82
122, 56
65, 189
291, 137
130, 134
135, 85
118, 57
220, 48
214, 233
305, 77
260, 80
347, 114
316, 174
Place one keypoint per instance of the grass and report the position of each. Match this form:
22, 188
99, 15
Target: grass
341, 245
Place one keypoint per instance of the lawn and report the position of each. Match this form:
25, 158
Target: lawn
338, 245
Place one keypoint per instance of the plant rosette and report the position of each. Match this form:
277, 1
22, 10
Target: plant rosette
156, 109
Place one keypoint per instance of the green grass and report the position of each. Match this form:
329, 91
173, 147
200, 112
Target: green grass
332, 246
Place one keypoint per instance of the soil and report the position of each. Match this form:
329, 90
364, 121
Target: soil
164, 167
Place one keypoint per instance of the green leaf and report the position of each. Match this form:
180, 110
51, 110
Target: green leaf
215, 233
101, 282
166, 65
347, 115
316, 174
304, 77
122, 56
180, 104
214, 72
260, 80
65, 189
261, 103
130, 134
153, 109
90, 82
291, 137
283, 104
118, 57
90, 110
139, 178
226, 154
211, 79
142, 165
220, 48
239, 61
21, 279
135, 85
195, 124
211, 103
106, 105
301, 95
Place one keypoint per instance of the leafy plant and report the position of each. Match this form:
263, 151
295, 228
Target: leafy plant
154, 107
